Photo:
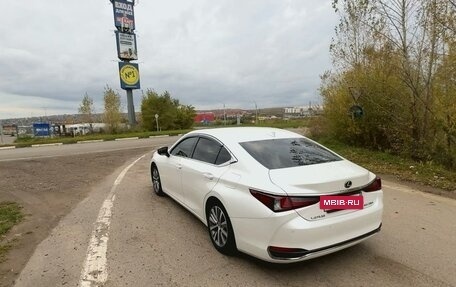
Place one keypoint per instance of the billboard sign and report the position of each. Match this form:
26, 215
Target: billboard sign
126, 46
41, 130
124, 16
129, 75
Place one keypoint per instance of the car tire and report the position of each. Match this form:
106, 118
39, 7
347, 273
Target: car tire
220, 228
156, 182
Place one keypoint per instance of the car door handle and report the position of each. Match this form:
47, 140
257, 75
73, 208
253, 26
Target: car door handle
208, 175
179, 166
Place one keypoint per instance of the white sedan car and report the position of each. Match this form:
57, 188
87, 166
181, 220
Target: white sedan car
258, 191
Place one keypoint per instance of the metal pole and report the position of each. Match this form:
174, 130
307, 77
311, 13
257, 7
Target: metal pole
131, 108
156, 119
256, 112
1, 132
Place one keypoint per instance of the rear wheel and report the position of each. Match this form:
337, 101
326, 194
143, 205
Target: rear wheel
220, 229
156, 183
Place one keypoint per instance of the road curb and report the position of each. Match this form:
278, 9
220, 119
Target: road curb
8, 147
127, 139
162, 136
90, 141
51, 144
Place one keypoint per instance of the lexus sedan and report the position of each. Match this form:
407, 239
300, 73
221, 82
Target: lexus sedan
258, 191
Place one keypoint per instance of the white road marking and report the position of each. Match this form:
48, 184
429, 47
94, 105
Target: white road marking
94, 272
90, 141
50, 144
127, 139
7, 147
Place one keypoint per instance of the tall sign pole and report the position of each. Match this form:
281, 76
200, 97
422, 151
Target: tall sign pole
124, 20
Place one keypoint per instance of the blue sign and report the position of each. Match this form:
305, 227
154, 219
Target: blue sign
41, 129
124, 16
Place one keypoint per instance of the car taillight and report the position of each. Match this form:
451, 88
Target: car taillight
279, 203
375, 185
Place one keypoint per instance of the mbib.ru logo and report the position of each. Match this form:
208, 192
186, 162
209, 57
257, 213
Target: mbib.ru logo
328, 202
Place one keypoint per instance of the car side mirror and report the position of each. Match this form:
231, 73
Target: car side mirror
163, 151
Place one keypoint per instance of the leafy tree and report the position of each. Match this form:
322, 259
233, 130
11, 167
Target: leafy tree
86, 109
112, 110
395, 58
172, 115
185, 116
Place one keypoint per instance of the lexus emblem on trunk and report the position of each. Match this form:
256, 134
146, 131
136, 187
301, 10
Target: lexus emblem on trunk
348, 184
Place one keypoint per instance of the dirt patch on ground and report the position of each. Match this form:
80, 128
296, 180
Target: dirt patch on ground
48, 189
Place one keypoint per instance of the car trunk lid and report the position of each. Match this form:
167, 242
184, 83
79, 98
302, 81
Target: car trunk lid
322, 179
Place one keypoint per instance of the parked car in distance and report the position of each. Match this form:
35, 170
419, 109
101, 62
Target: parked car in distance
258, 191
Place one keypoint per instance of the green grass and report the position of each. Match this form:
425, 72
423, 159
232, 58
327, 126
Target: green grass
274, 123
10, 215
284, 124
25, 142
426, 173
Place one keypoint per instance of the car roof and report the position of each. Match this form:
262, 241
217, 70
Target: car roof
233, 135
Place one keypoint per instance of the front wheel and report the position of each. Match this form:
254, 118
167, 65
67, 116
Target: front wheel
220, 229
156, 183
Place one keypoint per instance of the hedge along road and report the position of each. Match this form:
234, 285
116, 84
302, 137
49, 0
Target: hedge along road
152, 241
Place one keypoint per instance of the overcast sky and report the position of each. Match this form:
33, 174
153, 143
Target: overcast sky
205, 53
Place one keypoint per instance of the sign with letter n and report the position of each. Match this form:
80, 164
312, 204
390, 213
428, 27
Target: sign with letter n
129, 75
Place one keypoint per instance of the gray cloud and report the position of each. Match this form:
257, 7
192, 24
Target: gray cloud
205, 53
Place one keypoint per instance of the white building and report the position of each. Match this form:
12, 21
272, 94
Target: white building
303, 111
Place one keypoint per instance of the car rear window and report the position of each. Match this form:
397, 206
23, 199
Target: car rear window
290, 152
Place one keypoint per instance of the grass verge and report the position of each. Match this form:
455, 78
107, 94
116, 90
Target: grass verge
426, 173
10, 215
25, 142
272, 123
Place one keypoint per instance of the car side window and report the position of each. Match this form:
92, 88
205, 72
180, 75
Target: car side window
223, 156
185, 147
207, 150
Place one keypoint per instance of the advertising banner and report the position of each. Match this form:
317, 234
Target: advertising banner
126, 46
41, 129
129, 75
124, 16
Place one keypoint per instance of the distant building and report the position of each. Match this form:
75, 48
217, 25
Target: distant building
9, 129
303, 111
204, 117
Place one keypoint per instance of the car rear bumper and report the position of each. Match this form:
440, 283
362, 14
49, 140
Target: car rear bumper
312, 238
308, 254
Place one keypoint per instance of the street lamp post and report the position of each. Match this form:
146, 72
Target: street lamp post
256, 112
1, 133
156, 120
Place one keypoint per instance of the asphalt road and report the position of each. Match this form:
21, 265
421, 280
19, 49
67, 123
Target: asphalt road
134, 238
83, 148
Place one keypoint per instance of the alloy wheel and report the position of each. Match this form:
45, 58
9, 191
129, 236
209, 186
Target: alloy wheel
218, 226
156, 181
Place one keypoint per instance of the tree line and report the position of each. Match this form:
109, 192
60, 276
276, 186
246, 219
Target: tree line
396, 60
172, 114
